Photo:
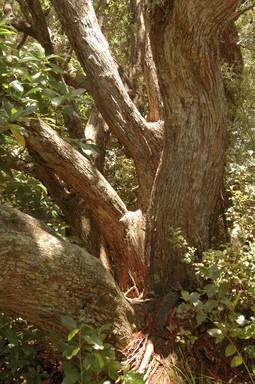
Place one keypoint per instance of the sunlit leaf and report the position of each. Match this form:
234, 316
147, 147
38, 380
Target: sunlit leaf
230, 350
20, 138
236, 361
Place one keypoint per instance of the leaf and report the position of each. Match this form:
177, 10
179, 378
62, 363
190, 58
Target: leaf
56, 68
240, 319
236, 361
18, 136
7, 106
71, 373
194, 297
86, 363
230, 350
250, 349
73, 353
113, 368
11, 336
17, 86
42, 186
133, 378
223, 289
57, 101
237, 298
72, 334
92, 338
68, 109
50, 92
5, 168
100, 360
215, 272
185, 295
68, 321
210, 304
200, 318
216, 333
210, 290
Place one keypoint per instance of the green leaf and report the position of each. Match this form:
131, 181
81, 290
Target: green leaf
71, 373
5, 168
200, 318
68, 321
86, 363
42, 186
216, 333
133, 378
210, 304
17, 86
215, 272
185, 295
250, 349
100, 360
194, 297
50, 92
230, 350
113, 368
56, 68
92, 338
68, 109
237, 298
7, 106
72, 334
223, 289
72, 353
57, 101
210, 290
11, 336
236, 361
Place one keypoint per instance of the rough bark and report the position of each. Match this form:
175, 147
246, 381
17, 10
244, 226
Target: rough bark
81, 26
185, 39
123, 230
43, 277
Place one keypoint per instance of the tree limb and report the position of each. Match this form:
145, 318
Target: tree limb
80, 24
105, 204
43, 277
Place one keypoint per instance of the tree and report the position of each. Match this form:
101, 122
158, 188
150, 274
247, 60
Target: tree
178, 153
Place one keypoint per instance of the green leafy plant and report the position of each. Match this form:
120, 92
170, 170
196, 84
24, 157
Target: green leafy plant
22, 348
88, 358
224, 309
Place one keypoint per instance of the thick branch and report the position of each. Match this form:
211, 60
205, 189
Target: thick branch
42, 277
105, 204
81, 26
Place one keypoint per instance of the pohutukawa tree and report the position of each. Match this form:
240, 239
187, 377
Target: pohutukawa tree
178, 147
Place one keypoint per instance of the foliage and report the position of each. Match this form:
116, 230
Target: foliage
225, 304
21, 352
88, 358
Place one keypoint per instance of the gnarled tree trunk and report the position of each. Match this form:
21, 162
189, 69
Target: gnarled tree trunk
43, 277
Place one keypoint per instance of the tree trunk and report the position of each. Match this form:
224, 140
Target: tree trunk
43, 277
185, 39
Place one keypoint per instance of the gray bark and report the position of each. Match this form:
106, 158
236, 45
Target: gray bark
43, 277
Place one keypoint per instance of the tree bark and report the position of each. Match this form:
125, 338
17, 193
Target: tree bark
123, 230
141, 141
185, 39
43, 277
